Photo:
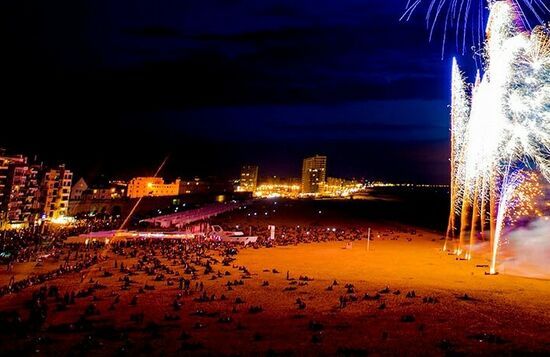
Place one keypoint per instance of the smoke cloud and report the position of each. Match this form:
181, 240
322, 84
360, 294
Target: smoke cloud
528, 251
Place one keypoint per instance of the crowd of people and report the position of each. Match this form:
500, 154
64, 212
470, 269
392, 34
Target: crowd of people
36, 243
80, 261
257, 219
135, 267
183, 264
27, 244
285, 234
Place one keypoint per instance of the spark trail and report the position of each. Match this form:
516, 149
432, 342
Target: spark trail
500, 131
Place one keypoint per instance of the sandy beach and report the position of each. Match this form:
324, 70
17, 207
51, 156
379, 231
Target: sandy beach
404, 296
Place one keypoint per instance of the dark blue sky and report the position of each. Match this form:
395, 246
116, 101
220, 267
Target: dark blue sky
217, 83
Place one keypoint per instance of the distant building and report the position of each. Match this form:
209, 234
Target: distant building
103, 189
78, 189
196, 185
56, 192
19, 189
118, 188
21, 192
6, 165
152, 186
314, 171
29, 192
249, 179
210, 184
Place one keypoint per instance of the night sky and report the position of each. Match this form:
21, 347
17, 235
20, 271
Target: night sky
113, 86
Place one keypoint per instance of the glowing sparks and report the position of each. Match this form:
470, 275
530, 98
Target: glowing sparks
501, 131
466, 20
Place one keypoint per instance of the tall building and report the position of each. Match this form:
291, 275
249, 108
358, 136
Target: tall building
152, 186
56, 191
28, 191
314, 172
6, 165
249, 178
19, 189
24, 196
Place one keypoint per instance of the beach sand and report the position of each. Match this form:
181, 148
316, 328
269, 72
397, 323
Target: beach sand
502, 314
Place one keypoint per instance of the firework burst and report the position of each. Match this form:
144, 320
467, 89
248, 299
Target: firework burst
501, 133
466, 20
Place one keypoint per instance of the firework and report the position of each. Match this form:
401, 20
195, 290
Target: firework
459, 117
509, 185
501, 133
520, 195
527, 199
465, 20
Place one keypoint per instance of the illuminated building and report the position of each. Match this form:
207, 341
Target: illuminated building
152, 186
249, 179
19, 195
6, 163
103, 189
78, 189
56, 191
26, 207
314, 170
196, 185
118, 189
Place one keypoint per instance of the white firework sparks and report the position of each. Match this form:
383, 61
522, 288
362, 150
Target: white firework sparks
467, 18
506, 123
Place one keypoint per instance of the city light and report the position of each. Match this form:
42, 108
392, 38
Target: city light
63, 220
